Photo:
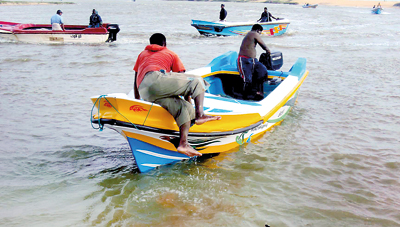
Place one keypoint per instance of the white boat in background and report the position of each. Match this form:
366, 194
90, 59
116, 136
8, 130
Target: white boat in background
43, 33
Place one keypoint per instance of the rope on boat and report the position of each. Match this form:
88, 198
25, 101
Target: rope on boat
101, 126
148, 113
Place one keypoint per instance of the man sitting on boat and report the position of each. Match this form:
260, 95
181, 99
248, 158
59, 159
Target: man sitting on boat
253, 72
155, 83
95, 20
57, 23
266, 16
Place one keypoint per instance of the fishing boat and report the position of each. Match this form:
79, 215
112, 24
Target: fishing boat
153, 134
43, 33
207, 28
310, 6
377, 10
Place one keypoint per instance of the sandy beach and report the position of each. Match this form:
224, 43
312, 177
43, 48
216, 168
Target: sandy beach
32, 3
350, 3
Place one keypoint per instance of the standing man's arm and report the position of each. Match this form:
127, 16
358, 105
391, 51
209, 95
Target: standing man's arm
272, 16
62, 24
135, 88
260, 18
261, 43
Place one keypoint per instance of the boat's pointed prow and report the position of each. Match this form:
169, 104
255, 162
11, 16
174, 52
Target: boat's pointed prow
148, 156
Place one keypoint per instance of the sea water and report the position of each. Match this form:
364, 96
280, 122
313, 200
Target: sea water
334, 161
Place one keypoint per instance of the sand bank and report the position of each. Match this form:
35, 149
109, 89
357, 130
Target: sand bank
33, 3
350, 3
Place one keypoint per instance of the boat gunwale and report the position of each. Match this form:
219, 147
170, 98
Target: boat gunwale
168, 131
21, 28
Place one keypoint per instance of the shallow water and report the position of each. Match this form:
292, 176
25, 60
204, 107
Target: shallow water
334, 161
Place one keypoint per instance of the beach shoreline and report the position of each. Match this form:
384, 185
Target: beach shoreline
346, 3
22, 3
350, 3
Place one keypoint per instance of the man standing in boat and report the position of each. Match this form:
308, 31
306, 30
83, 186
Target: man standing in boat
155, 82
95, 20
57, 23
266, 16
222, 13
251, 70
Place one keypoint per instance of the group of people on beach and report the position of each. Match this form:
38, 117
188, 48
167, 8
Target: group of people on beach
57, 22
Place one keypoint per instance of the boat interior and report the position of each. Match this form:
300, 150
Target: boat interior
231, 85
48, 28
228, 83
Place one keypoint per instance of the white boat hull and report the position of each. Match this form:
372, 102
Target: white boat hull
56, 38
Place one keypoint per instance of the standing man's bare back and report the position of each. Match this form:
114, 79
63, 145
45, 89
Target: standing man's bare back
249, 43
251, 70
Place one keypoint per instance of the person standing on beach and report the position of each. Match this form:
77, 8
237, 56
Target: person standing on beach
57, 23
155, 82
253, 72
222, 13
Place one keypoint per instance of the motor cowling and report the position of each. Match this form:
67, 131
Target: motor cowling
112, 29
274, 61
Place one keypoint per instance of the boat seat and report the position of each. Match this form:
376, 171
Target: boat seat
215, 86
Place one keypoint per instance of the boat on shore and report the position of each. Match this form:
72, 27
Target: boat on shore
272, 28
43, 33
153, 134
310, 6
376, 10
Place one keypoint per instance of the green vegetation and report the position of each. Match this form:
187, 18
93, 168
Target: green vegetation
33, 3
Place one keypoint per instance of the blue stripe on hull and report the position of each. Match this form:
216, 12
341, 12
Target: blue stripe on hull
148, 156
377, 10
205, 27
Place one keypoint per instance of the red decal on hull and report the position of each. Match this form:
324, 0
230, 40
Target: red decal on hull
137, 108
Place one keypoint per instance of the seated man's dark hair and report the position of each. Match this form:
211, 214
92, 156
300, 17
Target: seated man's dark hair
257, 27
158, 38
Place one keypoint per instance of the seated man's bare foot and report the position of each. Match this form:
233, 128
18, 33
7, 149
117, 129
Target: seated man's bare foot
203, 119
188, 150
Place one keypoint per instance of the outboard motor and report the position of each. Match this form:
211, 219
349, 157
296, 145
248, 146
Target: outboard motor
273, 61
112, 29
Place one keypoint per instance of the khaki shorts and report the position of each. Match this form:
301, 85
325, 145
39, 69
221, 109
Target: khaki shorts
165, 89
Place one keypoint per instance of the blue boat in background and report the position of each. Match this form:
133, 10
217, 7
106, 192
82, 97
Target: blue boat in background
377, 10
207, 28
310, 6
